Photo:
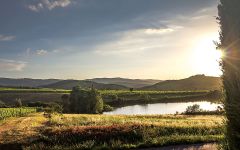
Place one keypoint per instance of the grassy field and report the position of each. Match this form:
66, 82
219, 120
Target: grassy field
113, 97
103, 92
15, 112
32, 90
71, 131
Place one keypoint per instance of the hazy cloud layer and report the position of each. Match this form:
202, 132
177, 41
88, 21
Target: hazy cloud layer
41, 52
137, 41
11, 65
7, 37
49, 4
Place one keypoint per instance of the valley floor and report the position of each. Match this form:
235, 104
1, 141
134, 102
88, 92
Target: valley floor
107, 131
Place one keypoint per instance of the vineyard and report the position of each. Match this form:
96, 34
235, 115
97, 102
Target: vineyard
31, 90
15, 112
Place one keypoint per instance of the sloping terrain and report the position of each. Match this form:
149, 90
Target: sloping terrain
26, 82
132, 83
68, 84
198, 82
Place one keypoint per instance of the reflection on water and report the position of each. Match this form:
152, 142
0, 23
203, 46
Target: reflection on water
161, 108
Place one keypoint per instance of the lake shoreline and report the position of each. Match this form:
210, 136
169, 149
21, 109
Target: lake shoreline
208, 97
164, 108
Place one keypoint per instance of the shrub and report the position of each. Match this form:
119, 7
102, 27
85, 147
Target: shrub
85, 101
2, 104
131, 89
107, 108
193, 109
51, 108
18, 102
37, 104
66, 103
145, 97
113, 97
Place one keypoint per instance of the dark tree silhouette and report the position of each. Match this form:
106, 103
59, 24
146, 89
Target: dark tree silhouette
18, 102
229, 19
66, 103
85, 101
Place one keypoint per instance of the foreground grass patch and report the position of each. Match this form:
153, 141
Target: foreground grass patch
122, 132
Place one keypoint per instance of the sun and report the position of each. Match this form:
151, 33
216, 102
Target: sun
206, 58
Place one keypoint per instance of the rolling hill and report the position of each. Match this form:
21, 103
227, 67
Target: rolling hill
26, 82
131, 83
68, 84
198, 82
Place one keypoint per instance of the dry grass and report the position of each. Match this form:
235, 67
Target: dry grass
21, 129
107, 131
159, 120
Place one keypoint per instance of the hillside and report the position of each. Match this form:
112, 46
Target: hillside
132, 83
198, 82
68, 84
26, 82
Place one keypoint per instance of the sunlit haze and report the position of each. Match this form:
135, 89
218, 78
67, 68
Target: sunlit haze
81, 39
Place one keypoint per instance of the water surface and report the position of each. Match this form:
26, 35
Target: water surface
161, 108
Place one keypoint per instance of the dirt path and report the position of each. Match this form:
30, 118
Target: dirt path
209, 146
21, 130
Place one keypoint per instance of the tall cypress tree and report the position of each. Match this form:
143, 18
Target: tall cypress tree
229, 20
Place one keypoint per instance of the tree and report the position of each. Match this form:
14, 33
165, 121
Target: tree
131, 89
229, 20
85, 101
18, 102
66, 103
193, 109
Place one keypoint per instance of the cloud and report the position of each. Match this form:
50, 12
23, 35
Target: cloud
12, 65
56, 51
6, 38
49, 4
137, 41
158, 31
36, 8
41, 52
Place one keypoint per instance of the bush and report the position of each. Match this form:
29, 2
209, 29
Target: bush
37, 104
66, 103
145, 97
18, 102
107, 108
113, 97
193, 109
131, 89
2, 104
85, 101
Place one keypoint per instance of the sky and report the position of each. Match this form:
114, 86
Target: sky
82, 39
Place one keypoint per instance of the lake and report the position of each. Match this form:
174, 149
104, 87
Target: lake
161, 108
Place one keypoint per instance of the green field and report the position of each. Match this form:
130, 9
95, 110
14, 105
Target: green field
113, 97
103, 92
32, 90
15, 112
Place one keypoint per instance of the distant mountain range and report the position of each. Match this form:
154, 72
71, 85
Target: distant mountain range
198, 82
68, 84
26, 82
132, 83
